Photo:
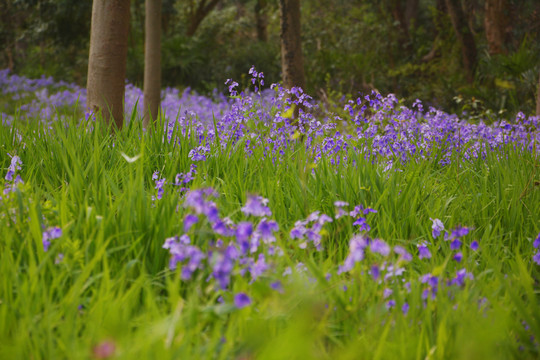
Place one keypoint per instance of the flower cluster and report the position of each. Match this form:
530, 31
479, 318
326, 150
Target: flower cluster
50, 234
536, 245
15, 165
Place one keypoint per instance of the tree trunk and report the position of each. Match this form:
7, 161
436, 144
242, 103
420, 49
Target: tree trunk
465, 37
292, 60
261, 19
538, 98
404, 12
411, 12
197, 16
495, 21
152, 61
107, 59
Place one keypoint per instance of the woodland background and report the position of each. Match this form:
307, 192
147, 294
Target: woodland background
406, 47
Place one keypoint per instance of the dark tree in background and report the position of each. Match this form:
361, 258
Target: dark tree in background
472, 50
107, 59
465, 37
198, 10
261, 20
496, 23
405, 13
292, 59
152, 61
538, 98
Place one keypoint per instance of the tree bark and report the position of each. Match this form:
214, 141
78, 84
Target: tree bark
261, 19
538, 98
465, 37
495, 22
404, 12
292, 59
152, 61
411, 12
107, 59
197, 16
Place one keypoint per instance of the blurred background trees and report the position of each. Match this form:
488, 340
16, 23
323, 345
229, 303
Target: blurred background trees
481, 56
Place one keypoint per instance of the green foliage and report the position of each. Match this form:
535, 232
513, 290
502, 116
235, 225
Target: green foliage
349, 47
112, 286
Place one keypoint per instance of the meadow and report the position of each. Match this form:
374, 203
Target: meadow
229, 231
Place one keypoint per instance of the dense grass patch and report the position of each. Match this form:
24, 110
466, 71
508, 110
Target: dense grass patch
85, 273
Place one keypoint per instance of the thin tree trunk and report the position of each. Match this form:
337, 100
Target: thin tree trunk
107, 59
152, 61
196, 17
292, 60
495, 20
465, 37
411, 12
261, 19
538, 98
404, 12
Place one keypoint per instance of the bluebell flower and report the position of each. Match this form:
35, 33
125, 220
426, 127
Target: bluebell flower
380, 247
50, 234
189, 221
404, 254
536, 243
405, 308
437, 228
364, 226
256, 206
423, 251
241, 300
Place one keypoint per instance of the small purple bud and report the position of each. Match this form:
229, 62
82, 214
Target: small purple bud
241, 300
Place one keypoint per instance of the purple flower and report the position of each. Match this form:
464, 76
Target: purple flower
241, 300
459, 232
324, 219
403, 253
276, 285
423, 251
341, 204
298, 231
59, 258
536, 258
375, 272
256, 206
189, 221
219, 227
13, 167
437, 228
536, 242
380, 247
461, 275
222, 269
199, 153
458, 257
387, 292
211, 211
259, 267
195, 200
364, 226
243, 232
266, 230
390, 304
405, 308
50, 234
455, 244
475, 245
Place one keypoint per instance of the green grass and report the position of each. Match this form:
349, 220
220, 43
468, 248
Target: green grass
114, 283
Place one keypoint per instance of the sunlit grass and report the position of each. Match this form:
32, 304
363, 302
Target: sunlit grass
113, 285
